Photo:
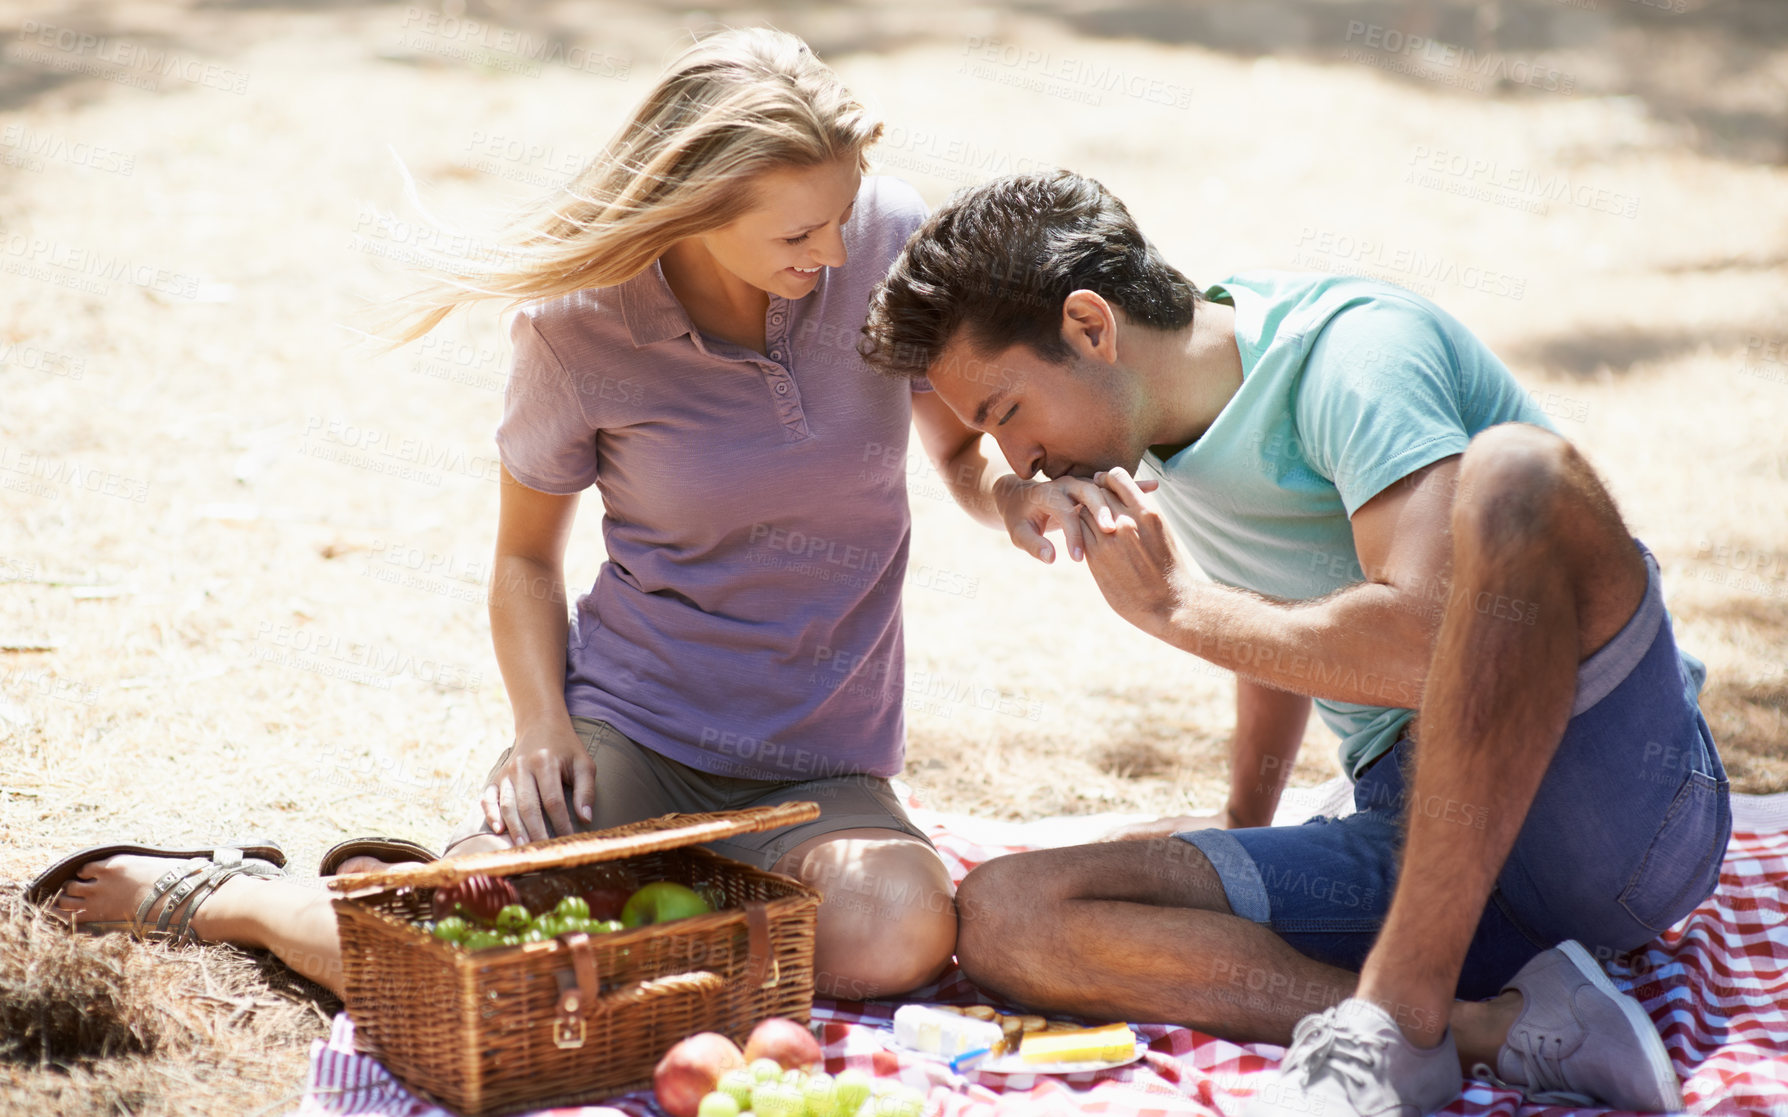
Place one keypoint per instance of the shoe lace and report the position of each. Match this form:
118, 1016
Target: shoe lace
1540, 1061
1319, 1048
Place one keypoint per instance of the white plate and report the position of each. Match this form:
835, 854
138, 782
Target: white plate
1014, 1063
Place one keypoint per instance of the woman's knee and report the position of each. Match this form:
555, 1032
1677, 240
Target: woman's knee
888, 920
886, 939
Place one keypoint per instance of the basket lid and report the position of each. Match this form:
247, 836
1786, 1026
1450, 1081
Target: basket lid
671, 831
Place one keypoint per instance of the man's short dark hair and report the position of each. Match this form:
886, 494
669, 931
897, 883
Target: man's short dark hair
997, 261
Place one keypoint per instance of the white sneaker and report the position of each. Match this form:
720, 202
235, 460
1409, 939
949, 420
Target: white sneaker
1353, 1061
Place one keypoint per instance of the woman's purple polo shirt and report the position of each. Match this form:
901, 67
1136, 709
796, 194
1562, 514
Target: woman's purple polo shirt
747, 621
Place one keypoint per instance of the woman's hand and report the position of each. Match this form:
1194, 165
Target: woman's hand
526, 798
1031, 509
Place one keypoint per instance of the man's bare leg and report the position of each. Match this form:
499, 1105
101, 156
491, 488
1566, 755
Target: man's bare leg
1531, 523
1140, 930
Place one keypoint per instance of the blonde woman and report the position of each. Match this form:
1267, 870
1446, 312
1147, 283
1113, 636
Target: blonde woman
685, 342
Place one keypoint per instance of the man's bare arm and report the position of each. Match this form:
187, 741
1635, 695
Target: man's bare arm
1368, 643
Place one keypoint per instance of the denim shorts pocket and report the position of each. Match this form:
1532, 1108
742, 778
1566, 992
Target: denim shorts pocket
1682, 865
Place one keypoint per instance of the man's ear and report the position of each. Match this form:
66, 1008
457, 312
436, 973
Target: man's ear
1089, 326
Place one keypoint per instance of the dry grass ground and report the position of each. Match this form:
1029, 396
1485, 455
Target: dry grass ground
241, 558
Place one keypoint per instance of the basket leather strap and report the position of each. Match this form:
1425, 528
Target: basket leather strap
762, 971
577, 992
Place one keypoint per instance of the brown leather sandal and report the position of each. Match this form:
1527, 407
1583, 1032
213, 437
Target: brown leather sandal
394, 851
185, 886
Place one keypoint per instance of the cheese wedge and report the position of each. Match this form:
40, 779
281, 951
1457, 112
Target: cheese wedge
923, 1028
1078, 1045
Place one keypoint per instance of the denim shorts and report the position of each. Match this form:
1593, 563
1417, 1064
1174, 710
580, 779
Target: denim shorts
1624, 838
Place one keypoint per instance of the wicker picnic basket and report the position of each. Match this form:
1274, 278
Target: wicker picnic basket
580, 1017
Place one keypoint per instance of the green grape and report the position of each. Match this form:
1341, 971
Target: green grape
450, 930
854, 1088
573, 907
821, 1094
777, 1099
718, 1104
766, 1070
738, 1082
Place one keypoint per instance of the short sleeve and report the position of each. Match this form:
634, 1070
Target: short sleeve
545, 439
1380, 398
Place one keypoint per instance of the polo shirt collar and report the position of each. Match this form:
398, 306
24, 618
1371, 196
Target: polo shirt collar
651, 309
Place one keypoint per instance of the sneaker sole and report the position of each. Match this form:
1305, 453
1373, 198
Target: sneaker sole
1656, 1057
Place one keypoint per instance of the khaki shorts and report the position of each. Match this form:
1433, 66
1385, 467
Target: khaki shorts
634, 783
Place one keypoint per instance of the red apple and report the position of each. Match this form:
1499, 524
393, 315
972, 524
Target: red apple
690, 1070
606, 900
790, 1044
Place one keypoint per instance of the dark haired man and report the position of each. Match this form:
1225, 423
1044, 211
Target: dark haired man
1389, 528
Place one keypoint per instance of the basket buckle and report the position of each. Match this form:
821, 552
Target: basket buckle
577, 993
565, 1036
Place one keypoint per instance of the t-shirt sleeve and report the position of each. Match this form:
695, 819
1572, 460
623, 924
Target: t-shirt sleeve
1380, 398
545, 439
898, 211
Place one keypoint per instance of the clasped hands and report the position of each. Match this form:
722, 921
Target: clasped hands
1106, 521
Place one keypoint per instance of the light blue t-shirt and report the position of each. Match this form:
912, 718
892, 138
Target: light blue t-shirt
1348, 385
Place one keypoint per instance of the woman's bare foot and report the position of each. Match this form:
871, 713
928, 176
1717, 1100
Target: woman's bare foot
111, 889
366, 863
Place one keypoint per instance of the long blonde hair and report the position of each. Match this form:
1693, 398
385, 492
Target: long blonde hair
730, 106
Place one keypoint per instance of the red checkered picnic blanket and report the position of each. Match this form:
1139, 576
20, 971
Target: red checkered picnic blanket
1716, 985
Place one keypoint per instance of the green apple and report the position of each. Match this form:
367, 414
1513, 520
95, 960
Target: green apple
660, 902
481, 940
718, 1104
